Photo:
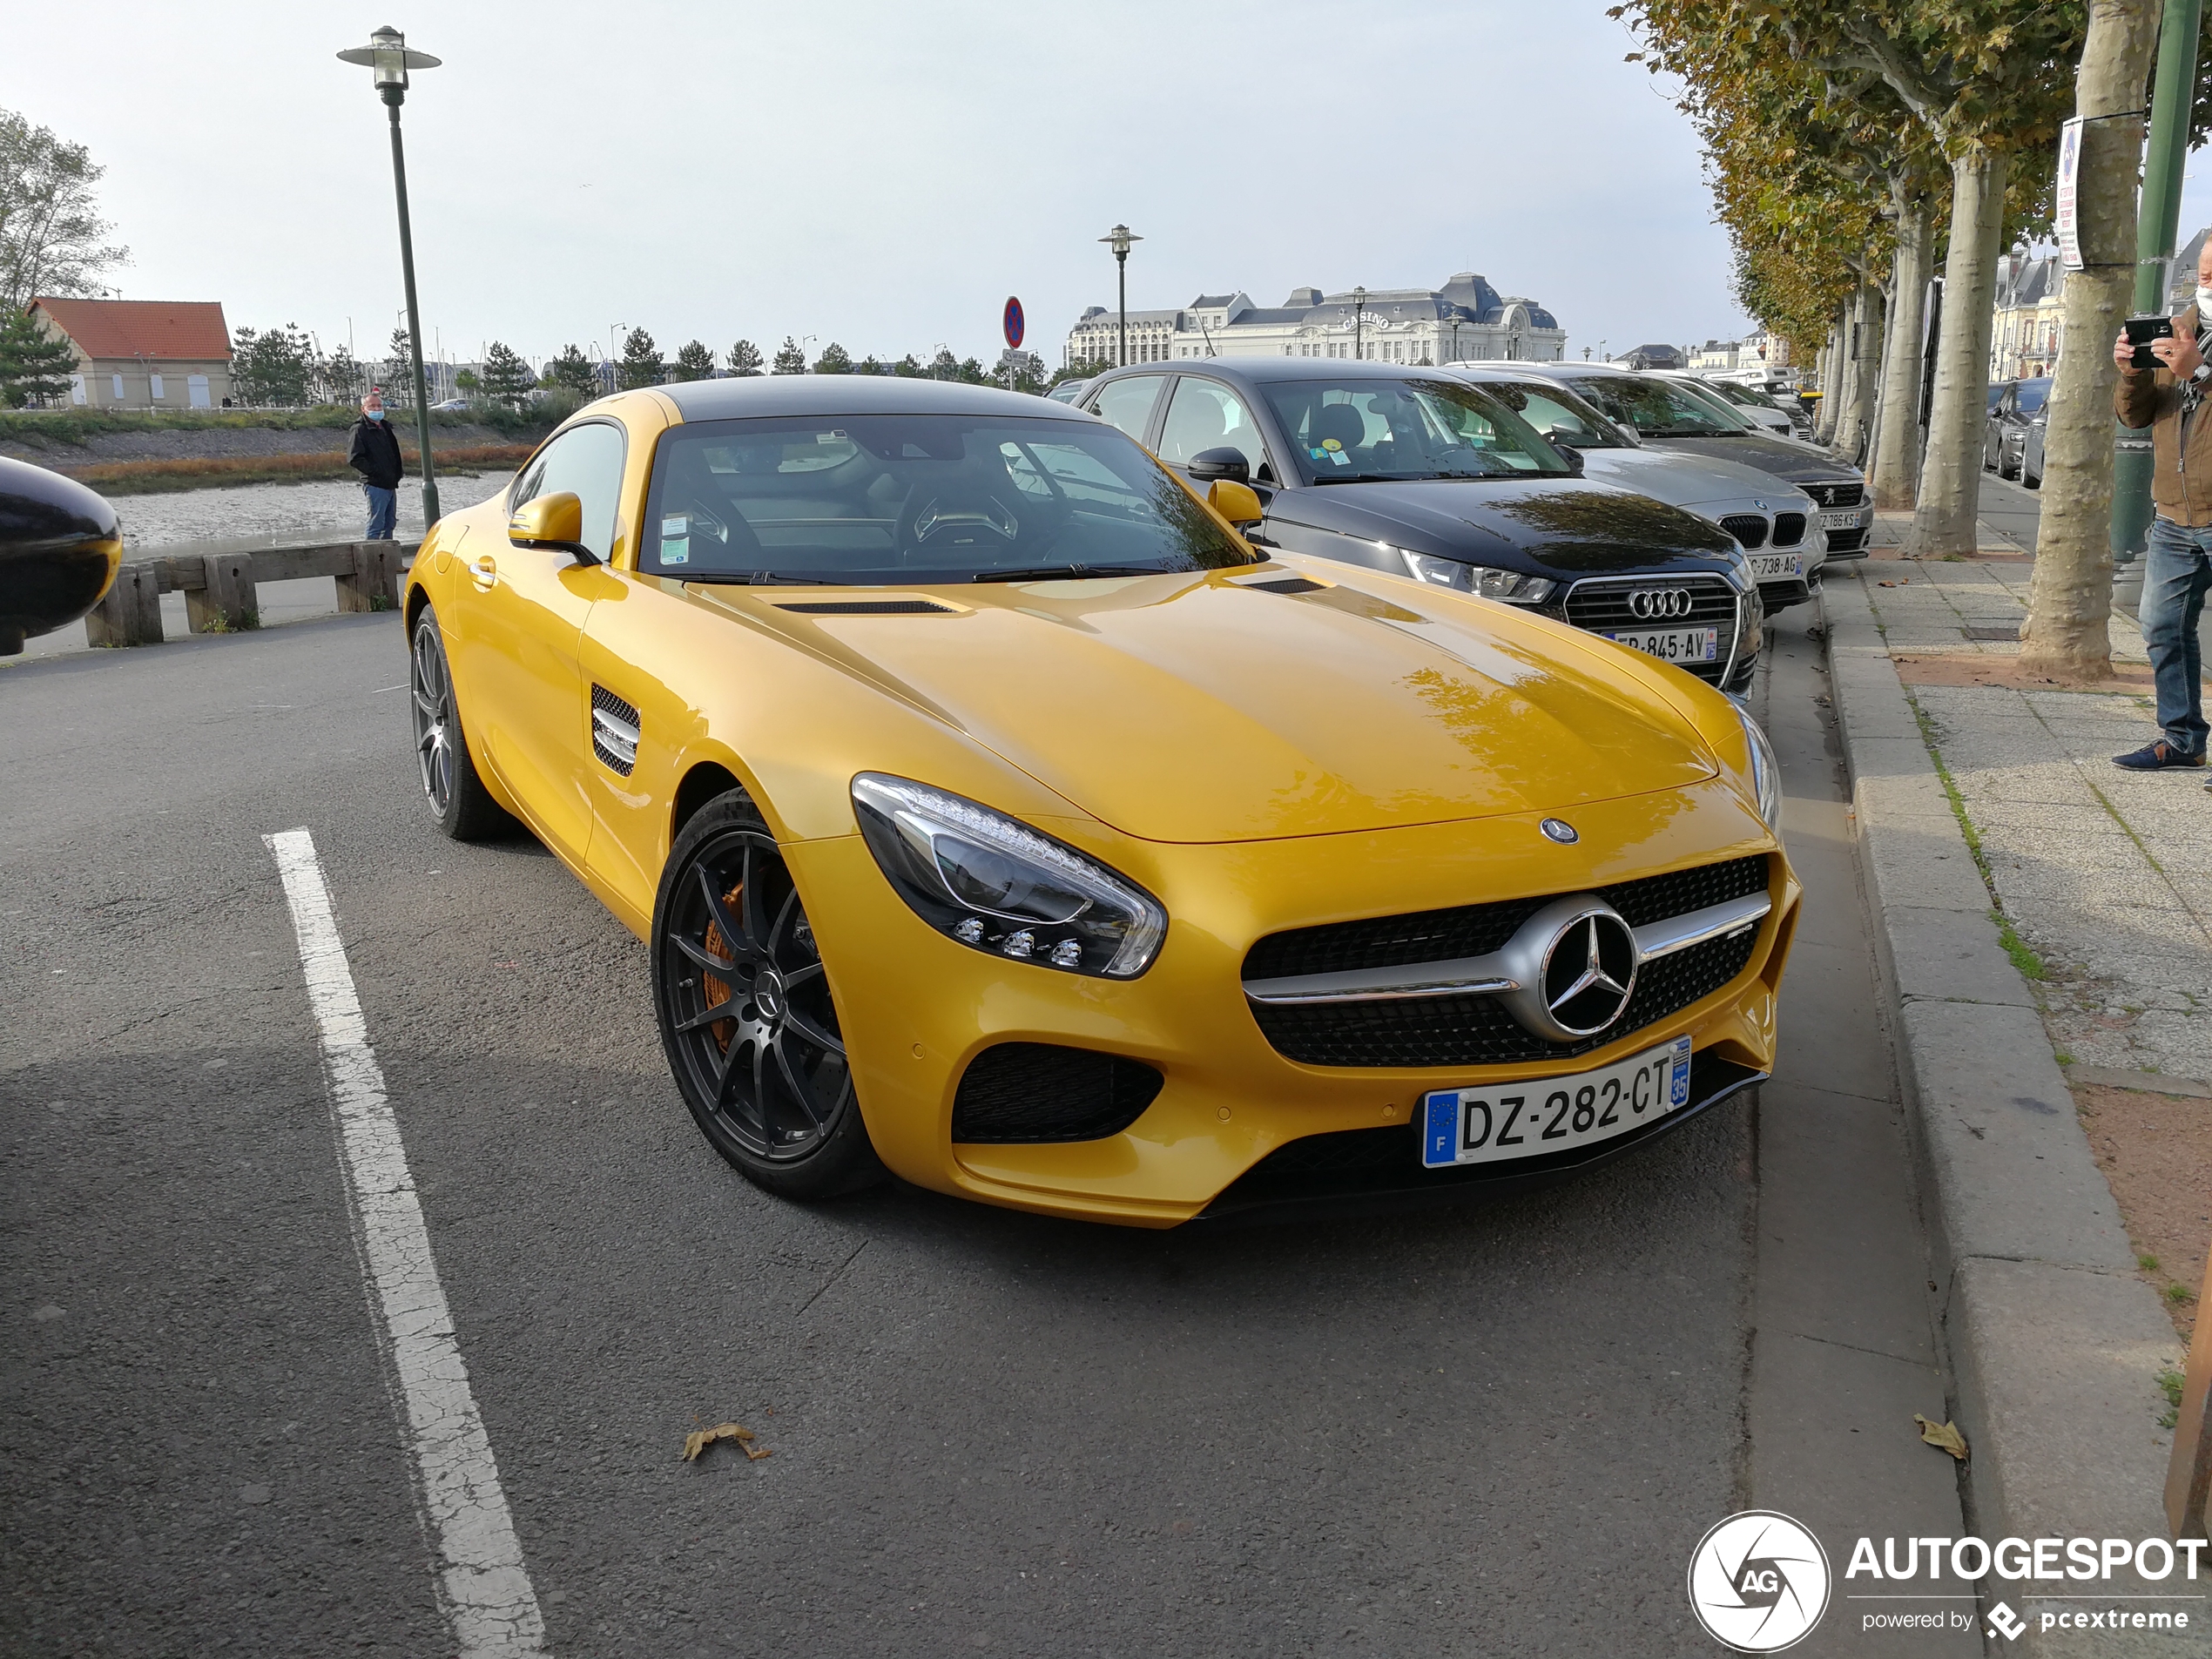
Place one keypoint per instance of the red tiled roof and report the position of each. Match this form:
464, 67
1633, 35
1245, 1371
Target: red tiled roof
173, 329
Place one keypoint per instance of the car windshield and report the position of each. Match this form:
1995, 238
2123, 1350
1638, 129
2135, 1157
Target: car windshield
1656, 408
876, 499
1749, 397
1351, 431
1558, 414
2032, 394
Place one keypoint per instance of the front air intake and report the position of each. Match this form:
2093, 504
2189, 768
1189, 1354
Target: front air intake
1041, 1092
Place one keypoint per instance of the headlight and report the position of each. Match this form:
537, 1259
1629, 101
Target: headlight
1740, 571
1509, 585
1766, 771
999, 886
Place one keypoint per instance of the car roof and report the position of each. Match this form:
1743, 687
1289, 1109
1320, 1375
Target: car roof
773, 394
1273, 370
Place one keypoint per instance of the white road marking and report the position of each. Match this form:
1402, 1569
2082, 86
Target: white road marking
484, 1588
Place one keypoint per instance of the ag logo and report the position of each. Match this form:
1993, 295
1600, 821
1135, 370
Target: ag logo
1758, 1582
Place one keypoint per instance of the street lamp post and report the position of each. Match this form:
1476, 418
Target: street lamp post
388, 56
1120, 239
1359, 322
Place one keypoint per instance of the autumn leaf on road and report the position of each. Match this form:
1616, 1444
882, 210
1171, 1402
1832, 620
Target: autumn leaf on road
696, 1443
1946, 1435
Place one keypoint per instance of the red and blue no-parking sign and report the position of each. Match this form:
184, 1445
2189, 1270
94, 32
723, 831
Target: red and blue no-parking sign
1013, 323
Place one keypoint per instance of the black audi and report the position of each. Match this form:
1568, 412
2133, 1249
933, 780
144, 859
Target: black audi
1426, 476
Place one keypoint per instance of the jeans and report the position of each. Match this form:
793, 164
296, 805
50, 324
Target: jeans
2177, 569
383, 511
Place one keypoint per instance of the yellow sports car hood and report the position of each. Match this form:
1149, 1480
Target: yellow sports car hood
1214, 708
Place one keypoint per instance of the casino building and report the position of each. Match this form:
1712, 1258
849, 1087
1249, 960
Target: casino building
1465, 321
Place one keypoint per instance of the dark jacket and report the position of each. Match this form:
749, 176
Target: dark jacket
374, 453
2180, 482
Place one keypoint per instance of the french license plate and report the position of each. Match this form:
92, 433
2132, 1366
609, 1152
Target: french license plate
1675, 645
1493, 1125
1771, 566
1844, 521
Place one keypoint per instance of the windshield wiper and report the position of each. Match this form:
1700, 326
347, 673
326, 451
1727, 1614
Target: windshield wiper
778, 579
1048, 572
1359, 477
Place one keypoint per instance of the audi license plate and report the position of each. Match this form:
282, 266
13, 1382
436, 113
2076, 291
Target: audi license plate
1505, 1120
1844, 521
1675, 645
1774, 566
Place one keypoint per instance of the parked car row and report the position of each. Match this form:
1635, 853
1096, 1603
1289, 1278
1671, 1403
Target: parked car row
2012, 437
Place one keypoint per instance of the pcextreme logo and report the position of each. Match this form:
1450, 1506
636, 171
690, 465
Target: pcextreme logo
1759, 1582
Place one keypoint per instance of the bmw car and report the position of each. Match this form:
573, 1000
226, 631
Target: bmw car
1776, 524
1669, 417
999, 818
1422, 474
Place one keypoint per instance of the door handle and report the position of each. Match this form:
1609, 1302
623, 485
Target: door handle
484, 570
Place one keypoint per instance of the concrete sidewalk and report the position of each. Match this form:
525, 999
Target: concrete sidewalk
2038, 905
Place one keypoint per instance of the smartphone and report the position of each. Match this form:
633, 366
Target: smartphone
2141, 331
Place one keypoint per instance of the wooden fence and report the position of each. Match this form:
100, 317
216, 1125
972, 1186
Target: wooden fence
221, 590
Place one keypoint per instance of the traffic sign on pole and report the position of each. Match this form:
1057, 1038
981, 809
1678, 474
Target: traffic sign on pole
1012, 322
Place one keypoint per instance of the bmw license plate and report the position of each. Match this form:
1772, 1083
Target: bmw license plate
1776, 567
1674, 644
1844, 521
1504, 1121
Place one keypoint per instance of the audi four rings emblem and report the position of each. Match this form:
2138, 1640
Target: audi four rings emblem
1654, 604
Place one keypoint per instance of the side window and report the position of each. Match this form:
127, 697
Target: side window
1128, 404
587, 460
1205, 414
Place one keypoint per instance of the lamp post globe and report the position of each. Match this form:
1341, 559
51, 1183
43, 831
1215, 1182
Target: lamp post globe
388, 60
1120, 239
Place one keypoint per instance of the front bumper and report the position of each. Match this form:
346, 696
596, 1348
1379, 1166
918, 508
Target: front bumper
1852, 542
917, 1008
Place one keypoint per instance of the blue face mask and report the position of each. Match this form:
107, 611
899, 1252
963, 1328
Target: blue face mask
374, 415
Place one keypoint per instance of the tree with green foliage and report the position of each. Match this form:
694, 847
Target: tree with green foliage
834, 360
507, 377
273, 369
341, 379
641, 362
909, 368
744, 359
34, 366
694, 361
468, 382
52, 239
1078, 371
571, 372
398, 379
789, 359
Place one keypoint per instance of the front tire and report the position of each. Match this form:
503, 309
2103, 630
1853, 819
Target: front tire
745, 1017
463, 807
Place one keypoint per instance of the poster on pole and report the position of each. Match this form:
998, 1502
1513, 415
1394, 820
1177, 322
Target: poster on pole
2068, 226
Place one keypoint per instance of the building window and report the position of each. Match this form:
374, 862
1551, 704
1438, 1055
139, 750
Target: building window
156, 383
117, 382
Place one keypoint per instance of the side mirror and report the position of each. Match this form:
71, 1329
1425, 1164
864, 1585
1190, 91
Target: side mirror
1574, 455
60, 546
1209, 464
1235, 502
555, 521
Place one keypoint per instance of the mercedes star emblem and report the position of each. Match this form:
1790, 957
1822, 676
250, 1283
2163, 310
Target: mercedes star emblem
1558, 830
1589, 973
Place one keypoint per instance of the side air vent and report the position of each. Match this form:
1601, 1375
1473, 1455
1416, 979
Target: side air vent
614, 731
869, 608
1284, 585
1040, 1091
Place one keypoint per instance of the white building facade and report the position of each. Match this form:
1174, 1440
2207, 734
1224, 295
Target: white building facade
1466, 321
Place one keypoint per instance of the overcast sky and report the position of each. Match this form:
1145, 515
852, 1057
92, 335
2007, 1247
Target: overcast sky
880, 174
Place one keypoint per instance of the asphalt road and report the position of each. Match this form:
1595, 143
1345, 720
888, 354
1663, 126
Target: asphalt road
1499, 1430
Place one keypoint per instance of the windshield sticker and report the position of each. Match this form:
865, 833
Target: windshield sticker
675, 550
679, 527
1331, 443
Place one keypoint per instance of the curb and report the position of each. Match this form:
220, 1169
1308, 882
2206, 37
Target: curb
2054, 1345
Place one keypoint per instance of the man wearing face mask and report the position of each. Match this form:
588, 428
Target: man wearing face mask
2177, 569
374, 454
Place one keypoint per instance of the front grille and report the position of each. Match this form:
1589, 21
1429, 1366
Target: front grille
1789, 529
1477, 1030
1040, 1091
1601, 604
1846, 540
1837, 495
1747, 528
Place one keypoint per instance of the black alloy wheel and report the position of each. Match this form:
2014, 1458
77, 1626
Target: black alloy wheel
745, 1016
463, 807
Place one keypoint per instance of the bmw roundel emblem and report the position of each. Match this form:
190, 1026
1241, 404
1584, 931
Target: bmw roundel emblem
1560, 831
1759, 504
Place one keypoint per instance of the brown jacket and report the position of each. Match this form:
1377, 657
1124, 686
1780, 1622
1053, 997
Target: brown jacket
2182, 479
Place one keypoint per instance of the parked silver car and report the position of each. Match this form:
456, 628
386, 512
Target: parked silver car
2015, 405
1672, 418
1761, 411
1776, 523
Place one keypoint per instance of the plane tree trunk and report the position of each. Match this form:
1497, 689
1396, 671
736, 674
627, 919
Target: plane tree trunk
2066, 634
1950, 496
1895, 468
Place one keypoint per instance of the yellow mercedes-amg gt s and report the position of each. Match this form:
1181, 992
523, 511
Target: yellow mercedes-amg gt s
997, 816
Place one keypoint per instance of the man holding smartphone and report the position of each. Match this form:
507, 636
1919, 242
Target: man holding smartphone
2177, 569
